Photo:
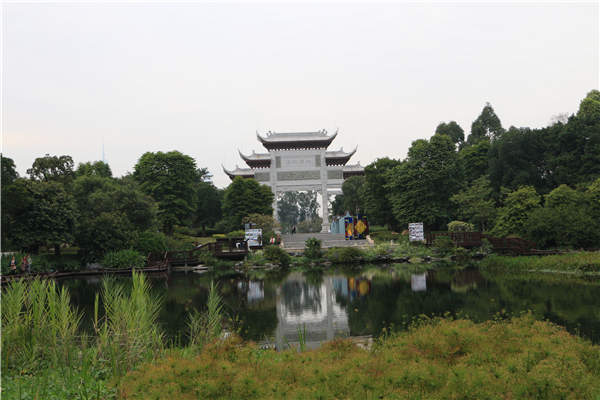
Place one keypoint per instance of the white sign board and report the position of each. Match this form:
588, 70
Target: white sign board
253, 237
415, 232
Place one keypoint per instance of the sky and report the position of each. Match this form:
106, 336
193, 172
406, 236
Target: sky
203, 78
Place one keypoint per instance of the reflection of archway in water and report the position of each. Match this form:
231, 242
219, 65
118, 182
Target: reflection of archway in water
314, 307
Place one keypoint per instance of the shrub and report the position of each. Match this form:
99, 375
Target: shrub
312, 248
150, 242
443, 246
460, 226
236, 234
277, 255
384, 236
123, 259
344, 255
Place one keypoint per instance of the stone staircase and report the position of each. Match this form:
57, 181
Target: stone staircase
297, 240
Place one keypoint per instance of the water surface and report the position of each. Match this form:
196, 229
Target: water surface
355, 302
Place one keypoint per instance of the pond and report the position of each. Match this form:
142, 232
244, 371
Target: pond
273, 307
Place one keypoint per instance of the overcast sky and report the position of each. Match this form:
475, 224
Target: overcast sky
203, 78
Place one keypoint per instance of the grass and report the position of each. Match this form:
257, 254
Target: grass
434, 359
576, 262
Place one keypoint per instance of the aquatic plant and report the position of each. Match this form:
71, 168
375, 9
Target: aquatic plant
577, 262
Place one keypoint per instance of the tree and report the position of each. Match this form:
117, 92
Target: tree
474, 160
337, 205
243, 197
97, 168
376, 196
567, 219
52, 168
288, 210
9, 170
171, 179
209, 206
487, 126
589, 108
112, 214
453, 130
518, 159
512, 217
41, 214
354, 194
308, 206
476, 203
420, 188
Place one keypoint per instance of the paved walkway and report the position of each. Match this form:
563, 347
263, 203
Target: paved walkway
297, 240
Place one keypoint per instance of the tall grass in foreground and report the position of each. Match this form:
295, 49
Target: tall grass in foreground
45, 355
206, 327
128, 331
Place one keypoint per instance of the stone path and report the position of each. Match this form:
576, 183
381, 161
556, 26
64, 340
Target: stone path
296, 241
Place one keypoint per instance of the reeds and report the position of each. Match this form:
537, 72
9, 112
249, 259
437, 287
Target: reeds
206, 327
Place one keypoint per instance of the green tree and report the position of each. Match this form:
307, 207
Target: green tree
171, 179
518, 158
112, 214
337, 205
421, 187
453, 130
288, 210
308, 206
97, 168
354, 189
244, 197
512, 216
52, 168
9, 170
567, 219
41, 214
487, 126
376, 197
474, 160
209, 208
589, 108
476, 204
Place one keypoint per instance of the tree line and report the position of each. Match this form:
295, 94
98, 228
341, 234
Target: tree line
58, 204
541, 184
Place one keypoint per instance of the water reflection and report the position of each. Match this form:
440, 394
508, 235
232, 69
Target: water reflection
343, 303
313, 308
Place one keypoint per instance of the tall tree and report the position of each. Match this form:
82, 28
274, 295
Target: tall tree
354, 189
288, 210
112, 213
52, 168
41, 214
487, 126
512, 216
9, 170
308, 206
476, 204
171, 179
518, 159
337, 205
243, 197
420, 188
453, 130
377, 203
474, 160
209, 209
96, 168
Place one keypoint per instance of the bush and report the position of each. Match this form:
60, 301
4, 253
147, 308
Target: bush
460, 226
384, 236
344, 255
443, 246
236, 234
150, 242
277, 255
123, 259
312, 248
